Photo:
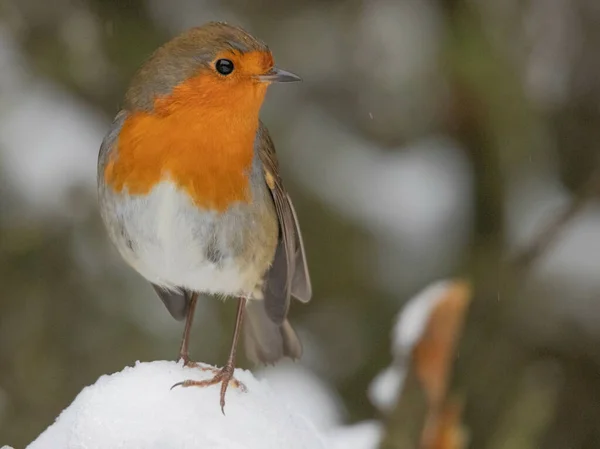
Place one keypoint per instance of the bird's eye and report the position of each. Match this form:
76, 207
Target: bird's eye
224, 66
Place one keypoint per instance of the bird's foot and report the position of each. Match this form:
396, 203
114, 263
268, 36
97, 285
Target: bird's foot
189, 363
224, 376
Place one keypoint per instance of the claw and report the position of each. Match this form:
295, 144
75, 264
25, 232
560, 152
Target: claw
223, 376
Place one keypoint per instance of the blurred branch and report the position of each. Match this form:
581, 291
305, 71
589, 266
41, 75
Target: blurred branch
438, 419
445, 429
424, 416
526, 258
493, 125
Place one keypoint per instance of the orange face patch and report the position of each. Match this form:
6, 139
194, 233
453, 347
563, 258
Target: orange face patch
251, 63
201, 137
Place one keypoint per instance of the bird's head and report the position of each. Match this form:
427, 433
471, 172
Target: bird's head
217, 67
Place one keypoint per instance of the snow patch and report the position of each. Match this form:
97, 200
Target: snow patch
385, 389
414, 317
136, 409
364, 435
411, 323
309, 395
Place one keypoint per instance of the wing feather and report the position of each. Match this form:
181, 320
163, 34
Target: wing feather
288, 275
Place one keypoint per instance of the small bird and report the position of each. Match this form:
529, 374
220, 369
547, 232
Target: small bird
190, 192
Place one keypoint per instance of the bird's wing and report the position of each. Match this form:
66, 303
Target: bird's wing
176, 302
288, 275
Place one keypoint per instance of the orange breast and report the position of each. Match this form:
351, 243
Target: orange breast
203, 152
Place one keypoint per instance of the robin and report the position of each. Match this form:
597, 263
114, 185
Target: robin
191, 195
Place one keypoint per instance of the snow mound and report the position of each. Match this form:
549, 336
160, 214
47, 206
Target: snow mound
136, 409
364, 435
308, 394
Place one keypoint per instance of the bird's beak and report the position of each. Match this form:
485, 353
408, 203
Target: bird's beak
276, 75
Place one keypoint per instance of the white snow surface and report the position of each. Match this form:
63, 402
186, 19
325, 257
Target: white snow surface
309, 395
136, 409
364, 435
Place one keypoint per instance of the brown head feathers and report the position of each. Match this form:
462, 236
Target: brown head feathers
187, 55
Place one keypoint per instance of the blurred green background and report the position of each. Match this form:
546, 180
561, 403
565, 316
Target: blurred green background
429, 138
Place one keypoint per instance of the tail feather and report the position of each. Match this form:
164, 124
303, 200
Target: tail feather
176, 302
265, 341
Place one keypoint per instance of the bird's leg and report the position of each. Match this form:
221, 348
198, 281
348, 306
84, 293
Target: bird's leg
225, 374
184, 354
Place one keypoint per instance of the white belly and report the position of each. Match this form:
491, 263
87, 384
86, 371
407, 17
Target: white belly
174, 244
